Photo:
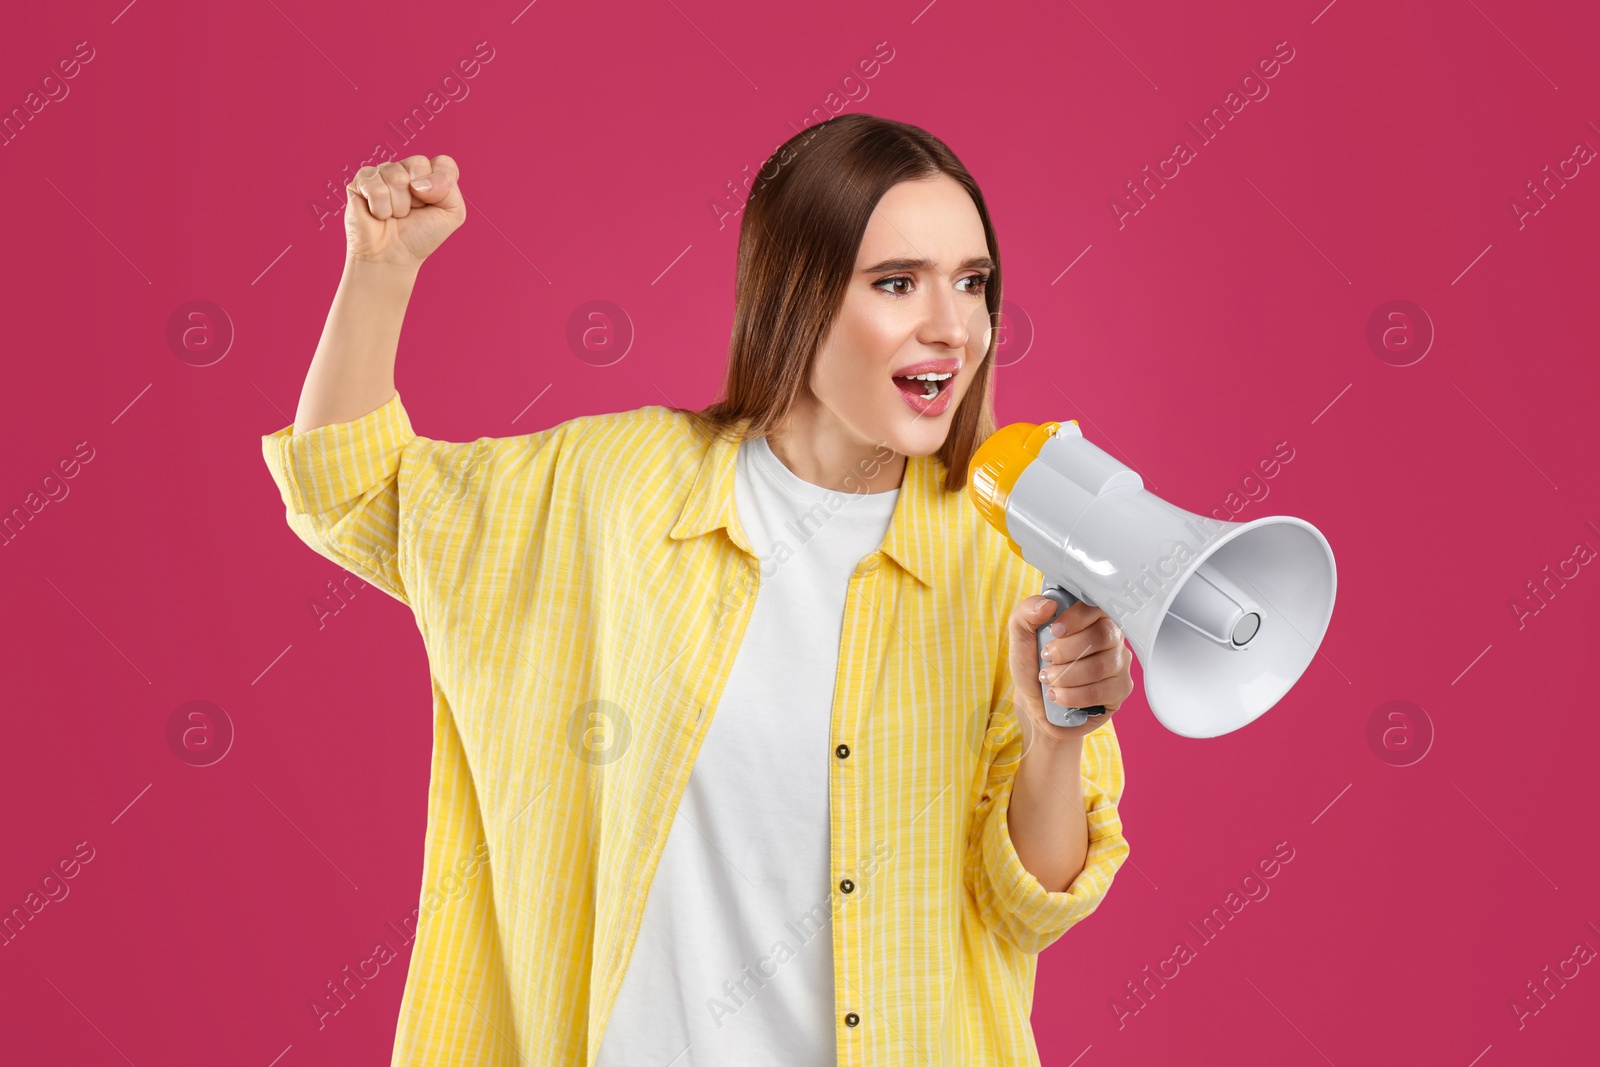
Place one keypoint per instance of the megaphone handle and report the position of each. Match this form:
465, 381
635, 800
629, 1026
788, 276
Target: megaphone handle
1054, 712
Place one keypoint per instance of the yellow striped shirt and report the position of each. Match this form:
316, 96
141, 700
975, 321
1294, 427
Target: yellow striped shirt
581, 593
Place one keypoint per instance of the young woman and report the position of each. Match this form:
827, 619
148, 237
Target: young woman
740, 754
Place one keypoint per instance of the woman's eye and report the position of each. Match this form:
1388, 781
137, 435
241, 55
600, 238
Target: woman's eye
981, 280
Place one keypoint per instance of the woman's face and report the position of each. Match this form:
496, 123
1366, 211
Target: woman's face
915, 302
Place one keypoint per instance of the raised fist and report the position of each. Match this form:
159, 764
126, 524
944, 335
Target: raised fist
399, 212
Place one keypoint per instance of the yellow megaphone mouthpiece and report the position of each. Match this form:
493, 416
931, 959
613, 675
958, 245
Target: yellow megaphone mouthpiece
996, 464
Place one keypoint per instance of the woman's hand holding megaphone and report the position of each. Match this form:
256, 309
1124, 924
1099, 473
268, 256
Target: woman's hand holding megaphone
1087, 663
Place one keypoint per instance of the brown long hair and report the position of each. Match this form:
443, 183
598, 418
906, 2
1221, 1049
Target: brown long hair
798, 242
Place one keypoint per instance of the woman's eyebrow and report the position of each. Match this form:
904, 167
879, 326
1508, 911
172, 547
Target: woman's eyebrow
924, 263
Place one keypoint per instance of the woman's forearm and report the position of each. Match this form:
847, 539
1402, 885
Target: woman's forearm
1046, 818
352, 371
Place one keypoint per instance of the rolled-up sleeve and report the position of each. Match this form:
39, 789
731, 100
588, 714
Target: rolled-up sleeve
339, 485
1011, 901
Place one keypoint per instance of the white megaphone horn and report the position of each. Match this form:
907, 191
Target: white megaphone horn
1224, 616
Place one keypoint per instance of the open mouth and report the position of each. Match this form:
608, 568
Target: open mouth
925, 386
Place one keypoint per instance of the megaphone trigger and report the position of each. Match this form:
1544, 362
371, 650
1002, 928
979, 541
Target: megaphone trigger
1056, 714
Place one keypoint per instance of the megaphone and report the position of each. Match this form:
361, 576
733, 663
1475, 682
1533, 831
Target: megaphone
1224, 616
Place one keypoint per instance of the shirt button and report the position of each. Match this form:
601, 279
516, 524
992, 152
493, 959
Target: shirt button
842, 751
851, 1019
848, 886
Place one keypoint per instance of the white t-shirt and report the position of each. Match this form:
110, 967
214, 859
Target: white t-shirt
734, 959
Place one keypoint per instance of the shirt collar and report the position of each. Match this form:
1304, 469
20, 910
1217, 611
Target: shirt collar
908, 541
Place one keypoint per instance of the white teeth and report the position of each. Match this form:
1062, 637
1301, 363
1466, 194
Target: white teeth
929, 380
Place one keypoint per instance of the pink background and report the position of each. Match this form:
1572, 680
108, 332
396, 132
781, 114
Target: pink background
1226, 316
